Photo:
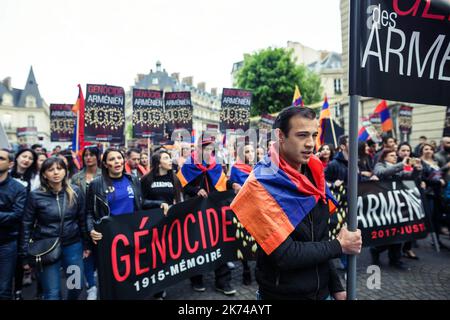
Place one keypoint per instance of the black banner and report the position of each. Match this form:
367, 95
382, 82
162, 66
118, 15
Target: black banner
178, 111
400, 50
405, 119
148, 113
390, 212
235, 112
143, 253
104, 114
62, 122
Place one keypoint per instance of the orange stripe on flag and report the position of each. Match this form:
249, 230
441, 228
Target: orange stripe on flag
221, 185
261, 215
180, 176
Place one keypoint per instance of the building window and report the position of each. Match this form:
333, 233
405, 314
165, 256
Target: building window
7, 121
155, 81
7, 100
30, 102
30, 121
337, 86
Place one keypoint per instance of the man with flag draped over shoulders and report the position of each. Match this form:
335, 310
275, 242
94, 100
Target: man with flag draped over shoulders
199, 176
285, 205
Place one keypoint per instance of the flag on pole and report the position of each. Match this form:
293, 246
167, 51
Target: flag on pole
297, 100
385, 116
324, 114
78, 142
363, 135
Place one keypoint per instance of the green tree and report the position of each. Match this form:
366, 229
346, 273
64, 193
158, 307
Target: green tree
271, 74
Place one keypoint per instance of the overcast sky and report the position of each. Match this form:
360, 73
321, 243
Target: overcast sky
110, 41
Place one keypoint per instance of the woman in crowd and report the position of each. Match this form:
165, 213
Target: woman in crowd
405, 151
25, 168
91, 169
325, 154
388, 169
114, 192
56, 209
434, 184
365, 162
70, 163
143, 160
161, 189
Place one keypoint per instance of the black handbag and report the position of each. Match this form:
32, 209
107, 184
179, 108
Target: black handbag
48, 251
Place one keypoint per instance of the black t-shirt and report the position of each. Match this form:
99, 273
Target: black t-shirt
162, 189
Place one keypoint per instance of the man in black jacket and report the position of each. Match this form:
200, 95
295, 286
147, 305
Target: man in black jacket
12, 202
294, 258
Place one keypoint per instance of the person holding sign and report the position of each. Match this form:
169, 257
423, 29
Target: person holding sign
388, 169
113, 193
239, 173
199, 176
285, 205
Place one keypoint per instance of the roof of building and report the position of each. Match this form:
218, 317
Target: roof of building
331, 61
19, 96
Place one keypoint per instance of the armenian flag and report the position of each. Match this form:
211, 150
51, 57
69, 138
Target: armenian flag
276, 198
192, 168
240, 172
385, 116
297, 99
324, 114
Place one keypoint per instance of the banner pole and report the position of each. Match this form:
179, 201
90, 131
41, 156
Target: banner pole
332, 130
148, 153
353, 141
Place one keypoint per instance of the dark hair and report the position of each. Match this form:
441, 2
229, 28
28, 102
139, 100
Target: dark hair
10, 154
282, 120
371, 143
93, 150
423, 147
135, 150
240, 152
423, 137
105, 174
384, 153
386, 137
65, 183
342, 140
362, 149
154, 172
72, 168
331, 147
31, 170
35, 146
404, 144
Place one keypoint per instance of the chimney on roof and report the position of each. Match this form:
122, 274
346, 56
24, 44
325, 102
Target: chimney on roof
201, 86
188, 80
176, 76
7, 83
139, 77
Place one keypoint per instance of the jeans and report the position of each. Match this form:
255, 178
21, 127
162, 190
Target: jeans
72, 256
8, 257
89, 270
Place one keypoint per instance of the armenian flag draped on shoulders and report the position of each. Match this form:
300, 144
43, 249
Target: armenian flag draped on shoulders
276, 198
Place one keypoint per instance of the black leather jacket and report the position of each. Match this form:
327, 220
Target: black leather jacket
13, 196
42, 218
301, 267
97, 203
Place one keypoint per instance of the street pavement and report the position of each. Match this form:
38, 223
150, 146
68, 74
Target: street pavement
427, 279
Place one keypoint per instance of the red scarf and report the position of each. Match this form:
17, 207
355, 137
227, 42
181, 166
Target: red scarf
304, 185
